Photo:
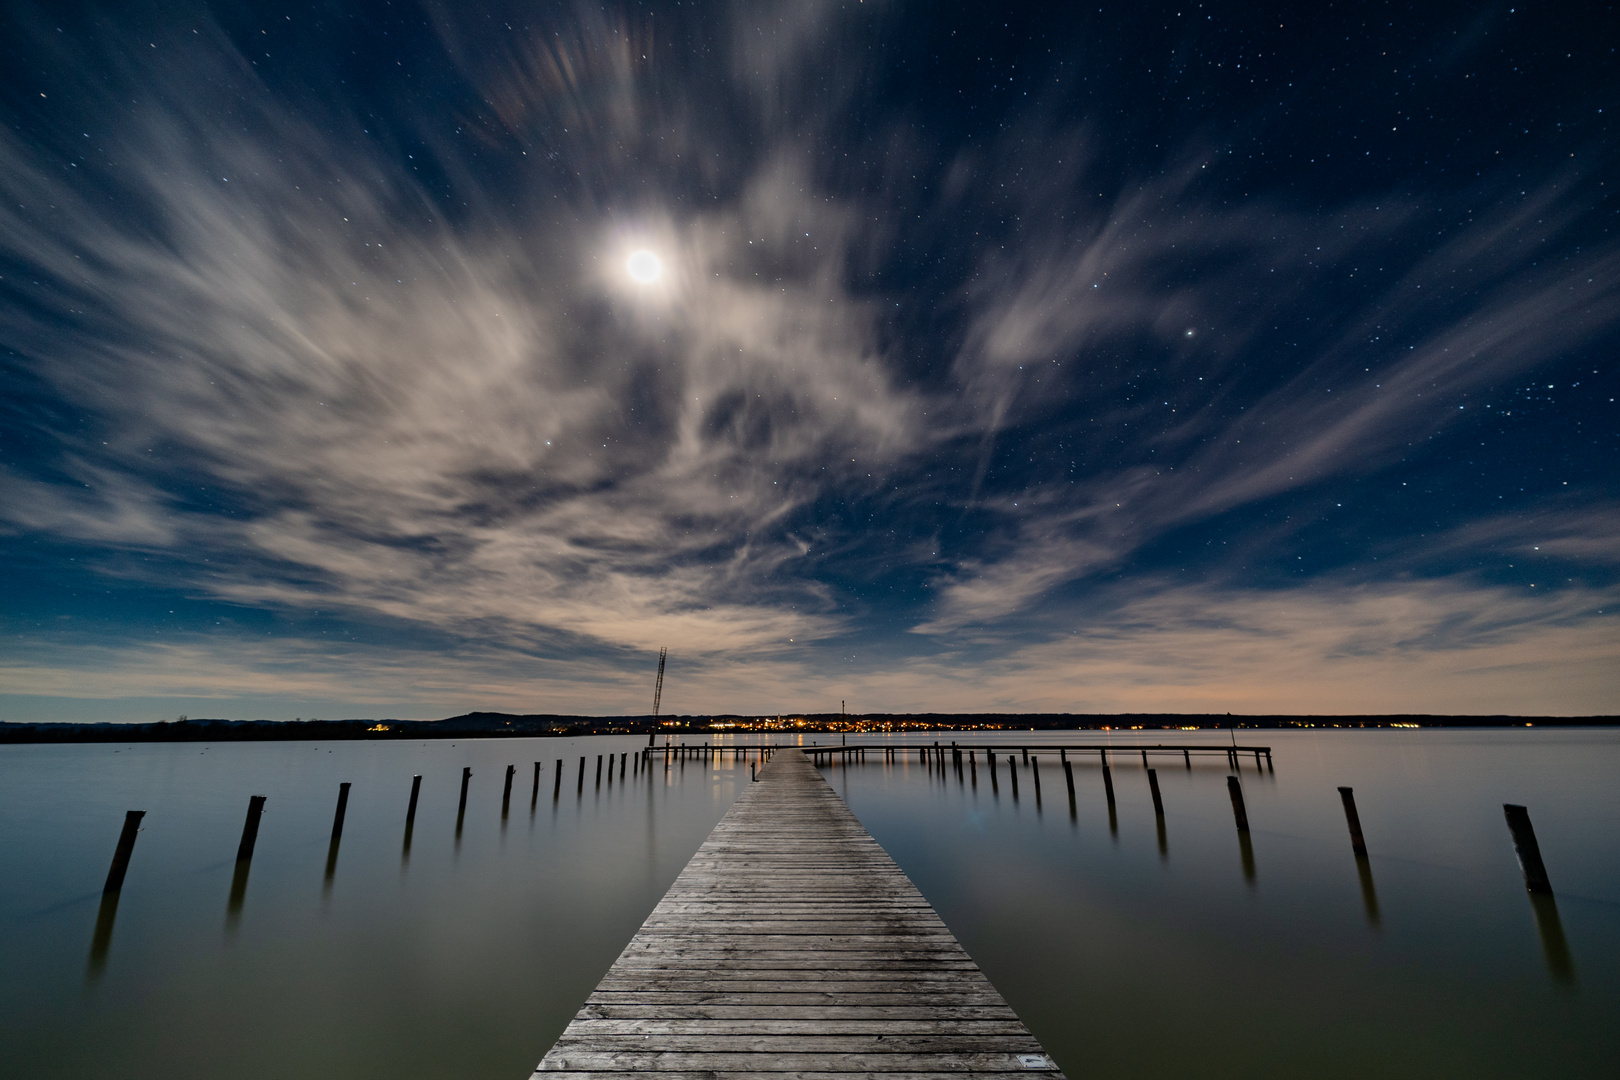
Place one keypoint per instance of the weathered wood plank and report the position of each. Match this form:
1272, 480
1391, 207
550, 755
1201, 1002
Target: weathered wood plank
792, 944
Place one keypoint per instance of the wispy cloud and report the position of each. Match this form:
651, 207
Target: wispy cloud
273, 351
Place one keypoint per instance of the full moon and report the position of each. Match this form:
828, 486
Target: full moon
644, 266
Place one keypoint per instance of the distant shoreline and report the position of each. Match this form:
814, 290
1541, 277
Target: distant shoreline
506, 725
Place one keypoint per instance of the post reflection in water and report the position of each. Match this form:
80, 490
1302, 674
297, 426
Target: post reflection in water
101, 940
1554, 946
233, 905
1369, 894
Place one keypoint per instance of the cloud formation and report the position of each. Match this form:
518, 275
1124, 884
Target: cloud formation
977, 404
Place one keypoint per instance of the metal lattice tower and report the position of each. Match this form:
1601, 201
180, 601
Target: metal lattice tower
658, 687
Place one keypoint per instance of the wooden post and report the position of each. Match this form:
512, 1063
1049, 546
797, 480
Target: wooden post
621, 768
1187, 754
1525, 846
1108, 785
1239, 812
753, 772
410, 808
1035, 771
410, 816
598, 770
337, 834
506, 794
244, 861
1144, 758
1153, 785
556, 783
125, 848
1353, 819
1068, 776
1012, 771
342, 810
534, 797
461, 811
250, 828
581, 774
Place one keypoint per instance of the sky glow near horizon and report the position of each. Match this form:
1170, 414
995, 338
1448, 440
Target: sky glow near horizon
991, 359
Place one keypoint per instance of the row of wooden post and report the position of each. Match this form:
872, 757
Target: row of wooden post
1536, 881
1523, 834
250, 831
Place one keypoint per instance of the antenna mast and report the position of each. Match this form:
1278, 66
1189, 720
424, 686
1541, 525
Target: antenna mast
658, 687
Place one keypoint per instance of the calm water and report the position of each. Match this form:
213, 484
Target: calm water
1128, 955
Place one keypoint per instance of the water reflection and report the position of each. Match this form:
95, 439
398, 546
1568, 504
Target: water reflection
1369, 895
101, 940
1560, 965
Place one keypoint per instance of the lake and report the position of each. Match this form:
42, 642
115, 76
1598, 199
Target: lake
1130, 952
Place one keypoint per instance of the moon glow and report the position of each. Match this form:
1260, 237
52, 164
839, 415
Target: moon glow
643, 266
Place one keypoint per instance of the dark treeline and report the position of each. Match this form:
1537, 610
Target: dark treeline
497, 725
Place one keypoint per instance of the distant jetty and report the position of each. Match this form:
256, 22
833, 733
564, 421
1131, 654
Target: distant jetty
485, 725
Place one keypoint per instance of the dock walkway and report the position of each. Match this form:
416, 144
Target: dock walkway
792, 944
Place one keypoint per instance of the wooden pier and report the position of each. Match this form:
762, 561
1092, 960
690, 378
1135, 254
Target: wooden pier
792, 944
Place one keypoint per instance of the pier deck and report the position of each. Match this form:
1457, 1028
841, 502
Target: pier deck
793, 944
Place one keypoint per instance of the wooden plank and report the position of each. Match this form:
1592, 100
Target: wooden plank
792, 944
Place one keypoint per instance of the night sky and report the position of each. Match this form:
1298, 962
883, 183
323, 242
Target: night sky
1191, 357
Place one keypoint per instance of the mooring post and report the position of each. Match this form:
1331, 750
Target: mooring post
1025, 751
250, 828
337, 834
621, 767
1525, 846
556, 782
1153, 785
1187, 754
125, 848
410, 815
581, 774
461, 810
1012, 770
1144, 758
534, 797
1353, 819
1239, 812
1035, 771
1068, 776
244, 861
598, 770
753, 772
342, 809
1108, 785
506, 792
